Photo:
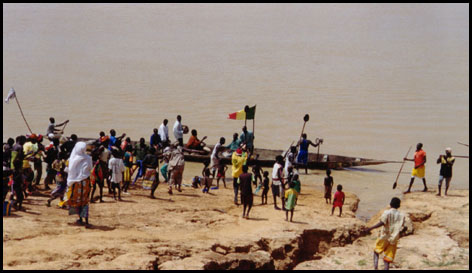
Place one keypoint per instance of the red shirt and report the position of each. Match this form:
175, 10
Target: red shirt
419, 157
338, 199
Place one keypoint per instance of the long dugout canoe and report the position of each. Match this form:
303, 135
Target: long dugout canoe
267, 158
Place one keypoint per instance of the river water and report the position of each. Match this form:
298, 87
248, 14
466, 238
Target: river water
374, 78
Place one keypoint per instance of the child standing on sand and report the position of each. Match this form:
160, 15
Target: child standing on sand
328, 185
206, 176
61, 178
18, 184
392, 222
117, 168
265, 187
291, 198
257, 170
338, 200
128, 163
221, 174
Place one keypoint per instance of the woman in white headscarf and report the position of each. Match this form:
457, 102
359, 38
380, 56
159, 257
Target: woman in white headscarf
78, 182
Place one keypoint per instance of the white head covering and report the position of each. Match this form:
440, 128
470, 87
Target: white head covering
80, 164
448, 150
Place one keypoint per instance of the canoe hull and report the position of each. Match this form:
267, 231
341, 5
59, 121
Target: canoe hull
267, 159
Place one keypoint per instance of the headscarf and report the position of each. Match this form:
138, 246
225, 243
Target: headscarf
80, 164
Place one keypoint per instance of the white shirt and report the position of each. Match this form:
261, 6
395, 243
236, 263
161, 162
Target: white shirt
275, 177
393, 221
105, 155
178, 131
116, 167
288, 163
163, 132
215, 150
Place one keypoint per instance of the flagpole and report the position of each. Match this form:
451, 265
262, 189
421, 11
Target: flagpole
17, 102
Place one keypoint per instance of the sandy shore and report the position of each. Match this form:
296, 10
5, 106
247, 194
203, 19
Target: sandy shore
192, 230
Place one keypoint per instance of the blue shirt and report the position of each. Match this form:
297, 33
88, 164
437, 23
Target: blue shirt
155, 139
249, 139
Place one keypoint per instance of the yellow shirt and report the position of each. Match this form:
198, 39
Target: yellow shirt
238, 162
28, 147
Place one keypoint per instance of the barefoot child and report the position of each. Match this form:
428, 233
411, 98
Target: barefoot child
18, 184
290, 197
117, 168
265, 187
297, 185
128, 163
61, 178
392, 222
221, 175
245, 180
257, 170
338, 200
206, 176
328, 185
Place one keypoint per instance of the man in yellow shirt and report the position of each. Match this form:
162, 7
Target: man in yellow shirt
29, 149
237, 160
392, 222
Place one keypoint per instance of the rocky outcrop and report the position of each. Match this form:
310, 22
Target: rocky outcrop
437, 237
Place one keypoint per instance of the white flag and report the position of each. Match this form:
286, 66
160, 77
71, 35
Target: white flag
11, 95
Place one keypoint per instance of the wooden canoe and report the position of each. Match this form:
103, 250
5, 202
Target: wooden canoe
323, 161
267, 158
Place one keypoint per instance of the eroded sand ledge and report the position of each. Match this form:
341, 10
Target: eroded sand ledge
192, 230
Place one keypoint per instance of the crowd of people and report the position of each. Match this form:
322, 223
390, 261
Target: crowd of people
79, 167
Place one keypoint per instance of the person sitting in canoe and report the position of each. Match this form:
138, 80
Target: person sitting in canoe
194, 143
302, 158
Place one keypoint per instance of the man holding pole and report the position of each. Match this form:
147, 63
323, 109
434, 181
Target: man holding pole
56, 133
419, 169
302, 158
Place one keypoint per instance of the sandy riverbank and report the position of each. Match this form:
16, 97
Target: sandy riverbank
437, 237
192, 230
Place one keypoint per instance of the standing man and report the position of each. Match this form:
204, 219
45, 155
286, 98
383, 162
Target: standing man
419, 169
68, 146
247, 138
164, 134
237, 161
446, 169
155, 140
278, 181
245, 180
37, 161
179, 131
176, 168
290, 159
215, 159
302, 158
115, 141
392, 222
52, 128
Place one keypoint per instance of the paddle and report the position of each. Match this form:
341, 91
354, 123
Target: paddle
395, 184
463, 144
286, 152
67, 122
305, 118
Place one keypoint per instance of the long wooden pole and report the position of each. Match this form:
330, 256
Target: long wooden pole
398, 175
21, 111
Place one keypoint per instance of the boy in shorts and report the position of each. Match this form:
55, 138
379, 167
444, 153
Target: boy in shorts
392, 222
221, 175
265, 187
117, 168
